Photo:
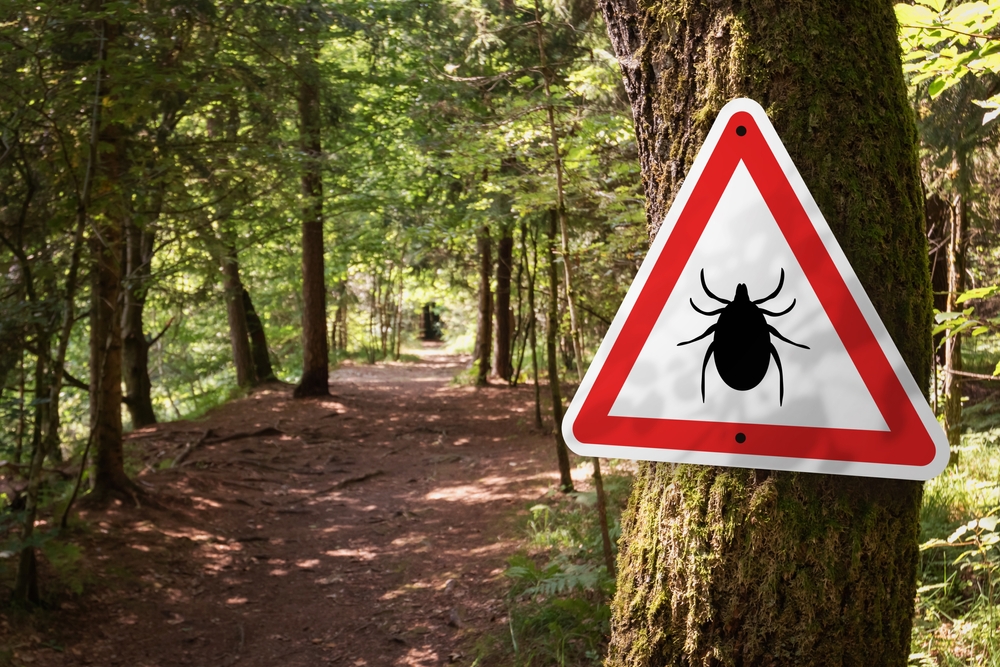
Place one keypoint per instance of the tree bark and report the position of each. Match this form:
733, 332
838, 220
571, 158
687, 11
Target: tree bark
484, 336
26, 581
551, 335
560, 194
258, 342
315, 359
741, 567
236, 315
502, 365
533, 321
135, 348
109, 476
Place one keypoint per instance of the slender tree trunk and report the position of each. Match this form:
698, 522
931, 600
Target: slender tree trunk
315, 358
957, 247
258, 342
560, 195
135, 348
741, 567
484, 337
50, 437
502, 365
399, 318
236, 314
533, 321
520, 319
21, 414
602, 517
551, 334
26, 581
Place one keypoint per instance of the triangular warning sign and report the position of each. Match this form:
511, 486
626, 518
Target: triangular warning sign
747, 340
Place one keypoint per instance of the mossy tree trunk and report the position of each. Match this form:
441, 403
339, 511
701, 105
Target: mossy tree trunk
741, 567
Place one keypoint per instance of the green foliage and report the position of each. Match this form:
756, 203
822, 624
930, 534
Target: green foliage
944, 44
558, 612
955, 323
958, 600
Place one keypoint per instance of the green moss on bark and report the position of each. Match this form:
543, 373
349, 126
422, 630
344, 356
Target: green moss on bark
738, 567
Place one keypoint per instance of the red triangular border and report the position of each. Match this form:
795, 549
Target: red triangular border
907, 442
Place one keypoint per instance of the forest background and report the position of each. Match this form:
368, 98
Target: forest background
199, 197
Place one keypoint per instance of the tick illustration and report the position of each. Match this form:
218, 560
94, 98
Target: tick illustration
742, 339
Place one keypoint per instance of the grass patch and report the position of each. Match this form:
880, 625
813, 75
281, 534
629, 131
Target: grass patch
958, 599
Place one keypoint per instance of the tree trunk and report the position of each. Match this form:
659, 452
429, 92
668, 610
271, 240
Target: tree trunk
602, 517
574, 330
258, 342
740, 567
533, 324
236, 315
106, 361
109, 478
502, 365
135, 347
551, 335
26, 581
484, 336
957, 246
315, 362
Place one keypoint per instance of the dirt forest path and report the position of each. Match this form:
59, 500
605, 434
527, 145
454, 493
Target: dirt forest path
368, 528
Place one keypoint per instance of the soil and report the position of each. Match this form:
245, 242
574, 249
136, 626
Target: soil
368, 528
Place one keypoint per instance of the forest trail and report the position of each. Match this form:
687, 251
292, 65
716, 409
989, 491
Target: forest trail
368, 528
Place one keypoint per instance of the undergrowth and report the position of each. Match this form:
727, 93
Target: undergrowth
558, 603
958, 599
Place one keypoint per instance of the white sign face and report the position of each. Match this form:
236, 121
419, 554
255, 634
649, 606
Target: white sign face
747, 340
743, 244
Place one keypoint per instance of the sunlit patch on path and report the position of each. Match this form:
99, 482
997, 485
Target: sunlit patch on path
368, 528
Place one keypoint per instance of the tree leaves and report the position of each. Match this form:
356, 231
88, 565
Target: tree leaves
945, 46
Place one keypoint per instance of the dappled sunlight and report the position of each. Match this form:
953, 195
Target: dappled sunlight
354, 554
409, 540
419, 657
204, 503
367, 531
190, 533
403, 590
467, 493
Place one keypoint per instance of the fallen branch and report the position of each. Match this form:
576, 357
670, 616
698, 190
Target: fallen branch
347, 482
204, 440
268, 430
191, 447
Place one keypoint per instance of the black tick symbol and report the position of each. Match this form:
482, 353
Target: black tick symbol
742, 341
